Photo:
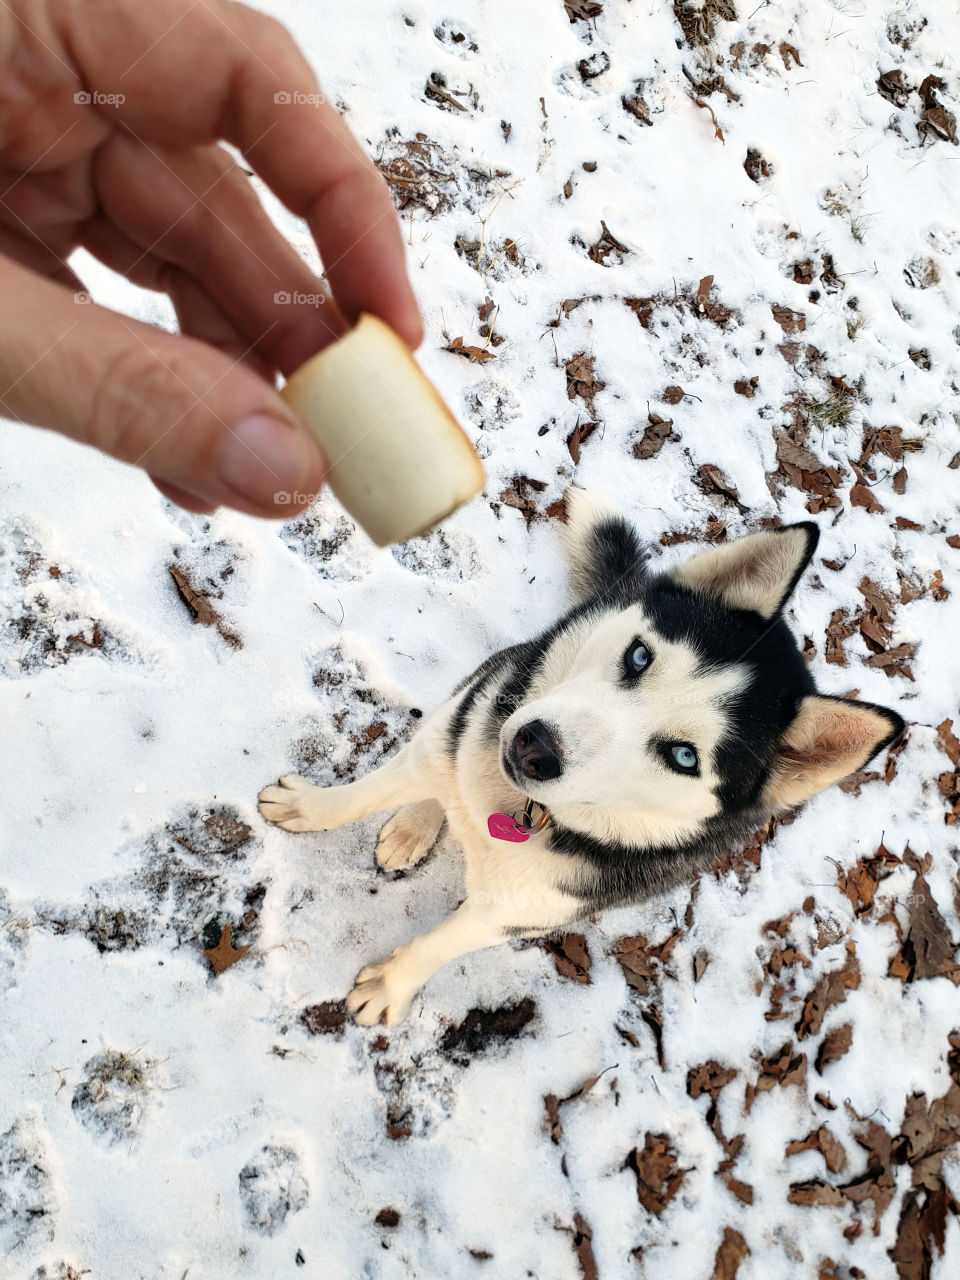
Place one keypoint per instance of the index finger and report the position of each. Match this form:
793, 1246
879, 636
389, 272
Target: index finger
197, 73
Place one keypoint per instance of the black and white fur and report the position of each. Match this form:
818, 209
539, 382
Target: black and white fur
659, 720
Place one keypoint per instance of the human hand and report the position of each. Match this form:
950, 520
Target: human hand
112, 114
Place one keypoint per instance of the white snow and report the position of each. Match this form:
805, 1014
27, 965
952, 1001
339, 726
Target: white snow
227, 1139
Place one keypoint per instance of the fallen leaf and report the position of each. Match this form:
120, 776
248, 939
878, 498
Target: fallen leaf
927, 949
814, 1192
859, 883
891, 86
436, 92
712, 478
582, 10
863, 496
477, 354
717, 131
571, 956
581, 379
801, 467
582, 1238
949, 742
930, 86
742, 1190
830, 990
653, 1017
940, 121
789, 321
199, 605
553, 1104
224, 954
641, 961
703, 293
95, 641
837, 632
607, 245
659, 1178
730, 1253
834, 1046
824, 1141
780, 1069
517, 495
893, 662
709, 1078
920, 1230
636, 105
655, 436
580, 433
756, 167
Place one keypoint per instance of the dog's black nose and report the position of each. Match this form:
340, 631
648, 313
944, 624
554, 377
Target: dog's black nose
536, 752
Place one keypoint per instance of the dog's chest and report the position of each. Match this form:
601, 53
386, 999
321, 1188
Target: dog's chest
526, 879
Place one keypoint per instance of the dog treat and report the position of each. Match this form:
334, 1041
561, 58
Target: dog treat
399, 460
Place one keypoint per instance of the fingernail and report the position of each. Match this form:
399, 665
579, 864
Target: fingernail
263, 457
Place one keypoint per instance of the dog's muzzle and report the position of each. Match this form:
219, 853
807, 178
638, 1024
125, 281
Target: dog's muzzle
535, 753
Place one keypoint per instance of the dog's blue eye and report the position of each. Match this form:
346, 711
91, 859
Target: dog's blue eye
638, 657
684, 757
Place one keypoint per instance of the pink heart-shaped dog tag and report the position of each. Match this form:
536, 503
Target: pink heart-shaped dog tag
502, 827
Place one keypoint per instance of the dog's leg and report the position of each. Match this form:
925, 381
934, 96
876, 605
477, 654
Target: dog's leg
298, 805
409, 835
388, 987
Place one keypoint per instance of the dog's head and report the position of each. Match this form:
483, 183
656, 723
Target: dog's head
661, 701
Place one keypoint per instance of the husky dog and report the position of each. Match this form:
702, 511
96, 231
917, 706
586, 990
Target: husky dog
658, 721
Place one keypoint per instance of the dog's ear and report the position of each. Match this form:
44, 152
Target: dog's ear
828, 739
757, 572
604, 552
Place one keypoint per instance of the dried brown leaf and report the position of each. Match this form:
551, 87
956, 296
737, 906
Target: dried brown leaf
830, 990
570, 955
834, 1046
224, 954
658, 1175
730, 1253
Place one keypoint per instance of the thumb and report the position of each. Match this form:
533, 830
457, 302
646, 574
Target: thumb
200, 423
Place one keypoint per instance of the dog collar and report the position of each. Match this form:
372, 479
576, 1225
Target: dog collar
518, 827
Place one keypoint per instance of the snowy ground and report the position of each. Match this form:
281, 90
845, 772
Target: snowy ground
566, 193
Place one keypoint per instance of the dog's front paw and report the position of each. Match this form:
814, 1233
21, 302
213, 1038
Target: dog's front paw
382, 989
297, 805
409, 835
